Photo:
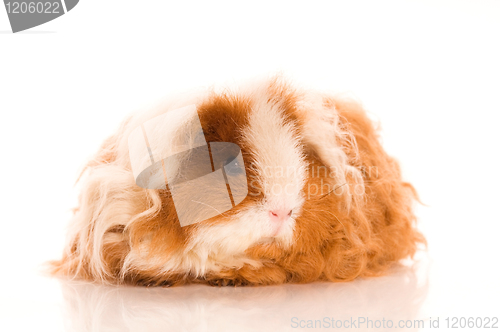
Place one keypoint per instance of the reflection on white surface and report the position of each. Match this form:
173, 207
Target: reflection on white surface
90, 307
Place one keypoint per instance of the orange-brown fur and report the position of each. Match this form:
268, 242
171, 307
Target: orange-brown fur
332, 240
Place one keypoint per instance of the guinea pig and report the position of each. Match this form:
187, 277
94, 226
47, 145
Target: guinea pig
324, 201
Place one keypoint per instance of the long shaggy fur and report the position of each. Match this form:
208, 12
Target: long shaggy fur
352, 212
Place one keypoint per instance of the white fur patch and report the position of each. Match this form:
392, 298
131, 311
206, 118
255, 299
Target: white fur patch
323, 131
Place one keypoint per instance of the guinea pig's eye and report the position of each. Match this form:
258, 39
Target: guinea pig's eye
233, 166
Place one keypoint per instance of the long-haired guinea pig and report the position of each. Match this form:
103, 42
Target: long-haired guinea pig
323, 200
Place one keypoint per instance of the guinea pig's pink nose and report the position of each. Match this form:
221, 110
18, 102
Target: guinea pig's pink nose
280, 215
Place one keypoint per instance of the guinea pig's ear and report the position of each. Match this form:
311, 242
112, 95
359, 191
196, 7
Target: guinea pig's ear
328, 136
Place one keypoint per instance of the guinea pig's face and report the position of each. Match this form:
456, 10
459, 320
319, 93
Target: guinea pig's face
276, 170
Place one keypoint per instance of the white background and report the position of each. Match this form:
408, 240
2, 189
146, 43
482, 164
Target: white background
429, 71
